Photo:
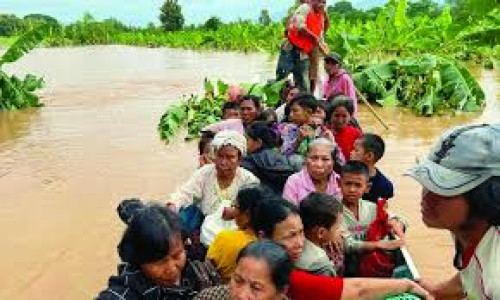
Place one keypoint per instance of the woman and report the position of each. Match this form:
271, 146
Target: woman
338, 81
153, 258
461, 193
264, 160
318, 175
217, 184
262, 273
280, 221
250, 108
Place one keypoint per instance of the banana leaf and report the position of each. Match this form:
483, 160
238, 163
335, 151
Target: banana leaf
25, 43
459, 86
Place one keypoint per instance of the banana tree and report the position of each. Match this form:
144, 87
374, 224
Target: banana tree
16, 93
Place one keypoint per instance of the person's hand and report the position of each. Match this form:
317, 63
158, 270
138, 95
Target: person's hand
398, 228
228, 213
327, 134
417, 289
305, 131
428, 285
390, 245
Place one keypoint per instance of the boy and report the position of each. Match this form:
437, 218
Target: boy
359, 213
302, 108
321, 215
339, 114
369, 149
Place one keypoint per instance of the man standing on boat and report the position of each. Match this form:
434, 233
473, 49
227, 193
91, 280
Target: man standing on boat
461, 193
303, 35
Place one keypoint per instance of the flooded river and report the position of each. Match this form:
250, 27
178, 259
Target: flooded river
64, 167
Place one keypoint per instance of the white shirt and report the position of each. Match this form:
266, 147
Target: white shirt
203, 189
481, 276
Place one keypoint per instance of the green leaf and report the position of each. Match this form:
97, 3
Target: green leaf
400, 16
26, 43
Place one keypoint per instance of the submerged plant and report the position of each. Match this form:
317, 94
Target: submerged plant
18, 93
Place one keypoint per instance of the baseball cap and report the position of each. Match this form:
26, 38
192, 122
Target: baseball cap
464, 157
332, 56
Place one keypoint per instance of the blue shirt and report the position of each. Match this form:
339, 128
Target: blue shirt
381, 187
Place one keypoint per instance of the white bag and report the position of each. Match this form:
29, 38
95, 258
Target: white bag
213, 224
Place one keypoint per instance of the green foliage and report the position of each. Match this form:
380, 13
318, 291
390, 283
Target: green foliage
213, 23
427, 84
10, 25
196, 112
171, 16
14, 92
264, 18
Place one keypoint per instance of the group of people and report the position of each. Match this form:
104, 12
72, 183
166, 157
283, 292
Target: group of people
286, 200
282, 209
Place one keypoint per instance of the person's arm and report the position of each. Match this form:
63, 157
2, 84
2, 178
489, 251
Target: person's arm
290, 191
190, 190
448, 289
371, 288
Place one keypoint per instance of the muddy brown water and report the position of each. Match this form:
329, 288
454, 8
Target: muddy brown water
64, 167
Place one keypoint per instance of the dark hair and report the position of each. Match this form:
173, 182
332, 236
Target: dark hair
149, 235
373, 143
322, 104
356, 167
271, 212
205, 140
306, 101
285, 89
277, 259
264, 132
255, 99
484, 201
339, 101
229, 105
320, 210
250, 196
267, 114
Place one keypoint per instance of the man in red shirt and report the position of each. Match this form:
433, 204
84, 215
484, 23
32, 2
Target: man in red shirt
302, 37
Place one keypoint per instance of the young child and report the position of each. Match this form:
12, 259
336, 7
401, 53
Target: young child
359, 213
205, 155
230, 110
339, 114
302, 108
369, 149
321, 216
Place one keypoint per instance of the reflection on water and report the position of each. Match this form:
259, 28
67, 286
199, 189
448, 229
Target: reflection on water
64, 167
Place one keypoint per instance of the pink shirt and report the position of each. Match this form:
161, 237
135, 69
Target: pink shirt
300, 184
229, 124
343, 85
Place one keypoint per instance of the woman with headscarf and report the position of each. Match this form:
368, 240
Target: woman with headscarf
216, 184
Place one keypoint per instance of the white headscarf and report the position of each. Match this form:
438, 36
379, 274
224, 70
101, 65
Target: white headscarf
230, 138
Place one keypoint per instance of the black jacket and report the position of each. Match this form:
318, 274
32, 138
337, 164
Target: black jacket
132, 284
271, 167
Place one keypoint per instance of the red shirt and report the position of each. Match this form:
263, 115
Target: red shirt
305, 286
345, 138
314, 22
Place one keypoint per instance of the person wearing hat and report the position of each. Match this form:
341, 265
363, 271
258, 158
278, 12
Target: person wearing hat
338, 81
215, 184
461, 193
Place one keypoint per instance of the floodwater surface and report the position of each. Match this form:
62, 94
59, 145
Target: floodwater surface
64, 167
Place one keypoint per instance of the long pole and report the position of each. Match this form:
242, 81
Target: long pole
371, 108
